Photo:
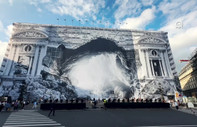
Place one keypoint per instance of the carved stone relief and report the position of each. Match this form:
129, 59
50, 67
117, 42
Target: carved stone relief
29, 34
24, 60
151, 40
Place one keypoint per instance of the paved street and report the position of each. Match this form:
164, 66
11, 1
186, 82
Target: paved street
100, 118
123, 118
3, 117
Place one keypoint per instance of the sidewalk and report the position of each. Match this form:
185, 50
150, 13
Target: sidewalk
192, 111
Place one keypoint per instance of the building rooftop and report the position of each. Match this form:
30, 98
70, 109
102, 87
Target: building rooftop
83, 27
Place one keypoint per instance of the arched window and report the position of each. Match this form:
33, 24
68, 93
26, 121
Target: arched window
156, 63
28, 48
154, 53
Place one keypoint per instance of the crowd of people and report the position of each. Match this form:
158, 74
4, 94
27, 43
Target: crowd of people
16, 105
12, 106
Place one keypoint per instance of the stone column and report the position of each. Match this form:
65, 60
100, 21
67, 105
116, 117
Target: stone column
30, 65
142, 59
148, 64
162, 72
10, 59
17, 53
42, 55
15, 58
168, 64
163, 61
35, 61
144, 52
152, 68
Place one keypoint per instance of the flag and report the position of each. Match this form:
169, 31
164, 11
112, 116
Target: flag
183, 60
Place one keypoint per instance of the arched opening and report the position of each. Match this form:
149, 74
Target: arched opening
94, 69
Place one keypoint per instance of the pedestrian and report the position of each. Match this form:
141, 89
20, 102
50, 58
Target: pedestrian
176, 105
16, 105
105, 102
23, 104
1, 106
52, 109
6, 106
34, 105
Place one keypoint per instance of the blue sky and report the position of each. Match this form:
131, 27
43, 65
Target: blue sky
159, 15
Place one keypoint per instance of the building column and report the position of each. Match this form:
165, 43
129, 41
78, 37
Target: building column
142, 59
17, 53
15, 59
144, 52
152, 68
162, 72
168, 63
42, 55
30, 65
7, 69
35, 60
10, 58
148, 63
163, 61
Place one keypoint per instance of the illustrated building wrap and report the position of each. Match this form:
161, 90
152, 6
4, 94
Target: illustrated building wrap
45, 57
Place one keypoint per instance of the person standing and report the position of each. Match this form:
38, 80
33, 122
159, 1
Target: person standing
7, 106
23, 104
34, 105
52, 109
104, 103
15, 105
1, 106
176, 105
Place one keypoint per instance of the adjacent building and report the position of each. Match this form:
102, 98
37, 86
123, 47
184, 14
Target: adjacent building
188, 76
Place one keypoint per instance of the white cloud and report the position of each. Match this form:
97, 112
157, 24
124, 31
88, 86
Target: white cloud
39, 9
176, 8
139, 22
147, 2
9, 30
3, 46
126, 7
37, 2
182, 28
10, 2
74, 8
1, 26
45, 1
77, 8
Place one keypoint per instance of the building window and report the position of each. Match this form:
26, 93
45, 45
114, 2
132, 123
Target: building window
156, 63
28, 48
156, 68
154, 53
52, 52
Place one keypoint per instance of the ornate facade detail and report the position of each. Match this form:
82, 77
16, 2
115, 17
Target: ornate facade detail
151, 40
29, 34
154, 53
